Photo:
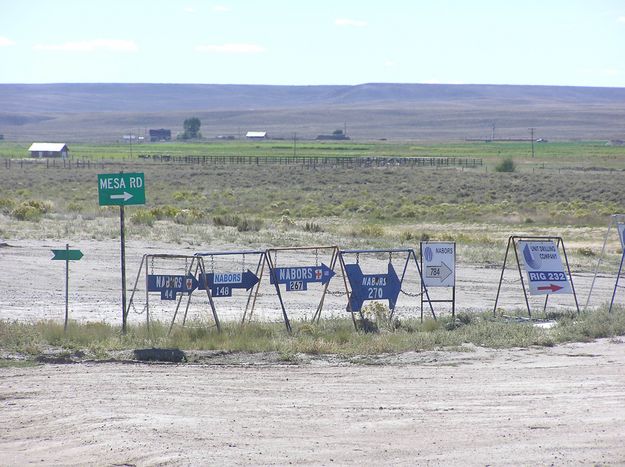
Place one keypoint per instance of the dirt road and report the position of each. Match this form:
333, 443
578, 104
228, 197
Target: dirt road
536, 406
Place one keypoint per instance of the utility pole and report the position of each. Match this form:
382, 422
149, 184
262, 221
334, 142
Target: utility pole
294, 144
532, 138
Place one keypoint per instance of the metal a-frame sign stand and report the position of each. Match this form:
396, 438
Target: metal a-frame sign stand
615, 221
410, 254
253, 290
451, 272
271, 257
145, 260
513, 241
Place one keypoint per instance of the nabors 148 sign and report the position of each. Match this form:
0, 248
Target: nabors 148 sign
543, 265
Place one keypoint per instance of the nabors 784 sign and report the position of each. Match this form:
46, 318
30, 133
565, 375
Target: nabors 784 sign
439, 264
121, 189
543, 265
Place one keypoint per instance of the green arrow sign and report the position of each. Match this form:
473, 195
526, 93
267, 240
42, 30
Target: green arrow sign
121, 189
67, 255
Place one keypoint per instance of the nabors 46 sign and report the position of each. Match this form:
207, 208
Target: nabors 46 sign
543, 265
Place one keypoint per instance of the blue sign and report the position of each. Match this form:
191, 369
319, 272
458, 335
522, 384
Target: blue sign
170, 285
372, 286
222, 283
297, 278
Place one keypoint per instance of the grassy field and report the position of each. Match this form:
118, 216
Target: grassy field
382, 206
569, 194
589, 154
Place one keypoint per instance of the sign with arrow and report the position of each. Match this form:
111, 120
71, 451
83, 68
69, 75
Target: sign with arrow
221, 284
545, 272
372, 286
121, 189
297, 278
170, 285
67, 255
439, 264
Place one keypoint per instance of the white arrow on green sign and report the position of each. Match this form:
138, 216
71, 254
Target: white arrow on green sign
121, 189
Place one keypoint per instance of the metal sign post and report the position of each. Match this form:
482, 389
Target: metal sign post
222, 283
438, 263
66, 255
543, 266
296, 278
617, 220
121, 189
379, 286
618, 275
172, 286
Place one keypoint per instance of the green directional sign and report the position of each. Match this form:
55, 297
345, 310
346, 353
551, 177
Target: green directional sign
67, 255
121, 189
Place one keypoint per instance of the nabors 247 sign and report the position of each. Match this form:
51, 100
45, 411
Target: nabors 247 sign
545, 273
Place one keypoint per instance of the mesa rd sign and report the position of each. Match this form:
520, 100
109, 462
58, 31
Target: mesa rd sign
121, 189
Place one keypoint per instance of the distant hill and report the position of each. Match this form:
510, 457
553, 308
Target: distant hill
104, 112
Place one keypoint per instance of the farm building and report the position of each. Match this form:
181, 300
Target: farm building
161, 134
48, 150
256, 135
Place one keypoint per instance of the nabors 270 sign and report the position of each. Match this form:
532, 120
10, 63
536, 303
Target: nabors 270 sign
543, 265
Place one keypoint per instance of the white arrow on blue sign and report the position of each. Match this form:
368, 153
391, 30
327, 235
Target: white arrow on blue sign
297, 278
169, 285
372, 286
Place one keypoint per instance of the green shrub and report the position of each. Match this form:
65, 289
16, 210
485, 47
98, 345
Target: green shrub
226, 220
75, 207
6, 205
312, 227
31, 210
165, 212
372, 230
143, 217
506, 165
249, 225
183, 195
188, 216
242, 224
586, 251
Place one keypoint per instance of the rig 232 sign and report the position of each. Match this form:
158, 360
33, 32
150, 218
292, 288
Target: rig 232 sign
543, 265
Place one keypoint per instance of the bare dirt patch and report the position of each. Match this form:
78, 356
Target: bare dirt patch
534, 406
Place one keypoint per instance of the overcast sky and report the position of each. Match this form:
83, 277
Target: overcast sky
543, 42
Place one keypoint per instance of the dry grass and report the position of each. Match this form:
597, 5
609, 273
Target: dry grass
336, 336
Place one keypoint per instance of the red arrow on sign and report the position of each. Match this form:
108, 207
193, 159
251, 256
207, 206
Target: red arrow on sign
552, 287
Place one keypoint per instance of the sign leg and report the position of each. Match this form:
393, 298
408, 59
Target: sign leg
503, 269
518, 265
620, 269
66, 287
123, 266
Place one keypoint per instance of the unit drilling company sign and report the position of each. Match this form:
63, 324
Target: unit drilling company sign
543, 265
